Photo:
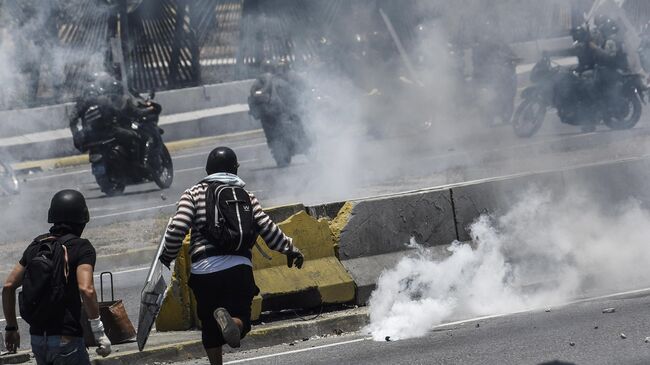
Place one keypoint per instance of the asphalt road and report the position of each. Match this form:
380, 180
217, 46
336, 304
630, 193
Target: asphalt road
355, 168
577, 333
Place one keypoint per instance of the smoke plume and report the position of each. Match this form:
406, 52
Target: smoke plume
542, 252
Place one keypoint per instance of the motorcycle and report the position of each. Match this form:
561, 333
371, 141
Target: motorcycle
572, 95
8, 181
283, 128
115, 166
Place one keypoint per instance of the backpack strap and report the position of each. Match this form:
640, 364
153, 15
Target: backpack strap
63, 240
66, 238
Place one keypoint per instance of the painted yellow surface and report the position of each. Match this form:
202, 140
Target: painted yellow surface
341, 221
178, 312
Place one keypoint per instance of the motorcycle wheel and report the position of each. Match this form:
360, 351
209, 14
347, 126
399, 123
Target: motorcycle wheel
165, 174
528, 118
109, 187
628, 116
8, 179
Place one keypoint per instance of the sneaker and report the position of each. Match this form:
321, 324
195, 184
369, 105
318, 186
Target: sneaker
228, 327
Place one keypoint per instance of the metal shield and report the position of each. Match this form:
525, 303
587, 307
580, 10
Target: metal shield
151, 298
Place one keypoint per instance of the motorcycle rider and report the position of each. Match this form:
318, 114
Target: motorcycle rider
105, 111
610, 59
583, 48
586, 50
601, 47
275, 98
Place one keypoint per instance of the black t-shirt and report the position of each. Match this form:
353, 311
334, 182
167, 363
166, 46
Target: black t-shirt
80, 252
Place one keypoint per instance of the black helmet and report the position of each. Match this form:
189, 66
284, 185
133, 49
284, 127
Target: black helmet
222, 159
609, 28
106, 84
580, 34
68, 206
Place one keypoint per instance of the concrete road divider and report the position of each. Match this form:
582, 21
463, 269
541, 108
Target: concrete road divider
374, 233
283, 212
610, 183
495, 196
613, 183
371, 234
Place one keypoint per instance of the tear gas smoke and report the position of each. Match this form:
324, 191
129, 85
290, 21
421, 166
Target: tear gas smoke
375, 119
541, 252
41, 41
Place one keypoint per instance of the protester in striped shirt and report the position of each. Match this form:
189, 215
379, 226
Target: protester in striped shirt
222, 282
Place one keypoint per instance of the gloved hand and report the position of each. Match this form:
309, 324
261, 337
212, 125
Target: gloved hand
97, 327
295, 257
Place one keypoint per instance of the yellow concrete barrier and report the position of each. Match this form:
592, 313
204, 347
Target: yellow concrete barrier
322, 280
322, 273
178, 311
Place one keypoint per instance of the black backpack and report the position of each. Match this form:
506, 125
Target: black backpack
230, 227
44, 281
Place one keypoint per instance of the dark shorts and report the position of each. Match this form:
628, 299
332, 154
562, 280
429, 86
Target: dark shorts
232, 289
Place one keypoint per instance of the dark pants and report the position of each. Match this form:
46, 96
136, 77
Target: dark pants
232, 289
53, 350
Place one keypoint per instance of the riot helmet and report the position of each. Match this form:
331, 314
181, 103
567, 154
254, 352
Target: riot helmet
580, 34
222, 159
68, 206
609, 28
106, 84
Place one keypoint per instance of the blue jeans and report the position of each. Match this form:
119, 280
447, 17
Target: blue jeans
53, 350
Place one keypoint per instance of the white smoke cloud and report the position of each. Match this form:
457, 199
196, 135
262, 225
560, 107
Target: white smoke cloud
34, 52
540, 253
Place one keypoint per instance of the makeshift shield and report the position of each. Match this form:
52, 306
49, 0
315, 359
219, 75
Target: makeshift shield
151, 297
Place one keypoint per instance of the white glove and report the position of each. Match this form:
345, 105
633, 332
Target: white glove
97, 327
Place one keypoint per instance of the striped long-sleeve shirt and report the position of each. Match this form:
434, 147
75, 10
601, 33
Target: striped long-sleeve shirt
191, 213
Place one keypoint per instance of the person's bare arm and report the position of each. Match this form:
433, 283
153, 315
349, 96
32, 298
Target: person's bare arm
13, 282
87, 290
